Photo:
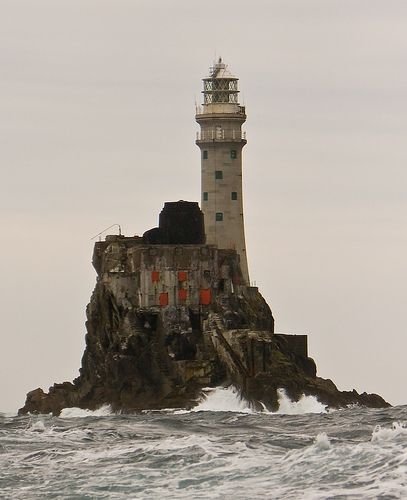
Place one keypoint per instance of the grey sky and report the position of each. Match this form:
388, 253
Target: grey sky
97, 127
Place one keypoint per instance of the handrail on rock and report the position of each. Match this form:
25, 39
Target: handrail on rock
107, 229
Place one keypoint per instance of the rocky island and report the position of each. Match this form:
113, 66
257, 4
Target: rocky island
170, 316
173, 311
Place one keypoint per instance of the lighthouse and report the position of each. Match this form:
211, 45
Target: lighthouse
221, 142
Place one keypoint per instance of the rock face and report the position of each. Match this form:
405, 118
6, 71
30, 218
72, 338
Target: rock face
167, 319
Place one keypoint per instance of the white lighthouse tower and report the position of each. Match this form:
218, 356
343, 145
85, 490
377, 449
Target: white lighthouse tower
221, 141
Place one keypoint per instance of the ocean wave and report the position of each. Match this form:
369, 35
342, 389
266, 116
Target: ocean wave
396, 432
73, 412
207, 454
8, 414
322, 441
225, 399
229, 399
305, 405
37, 426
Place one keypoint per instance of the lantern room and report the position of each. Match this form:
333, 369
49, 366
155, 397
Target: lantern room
221, 86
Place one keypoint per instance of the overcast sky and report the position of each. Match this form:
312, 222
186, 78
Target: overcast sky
97, 127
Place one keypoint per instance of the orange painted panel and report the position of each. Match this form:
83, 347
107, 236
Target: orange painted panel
163, 300
182, 276
182, 294
205, 296
155, 276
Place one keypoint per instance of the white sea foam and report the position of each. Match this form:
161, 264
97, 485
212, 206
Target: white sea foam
398, 430
38, 426
306, 404
322, 441
74, 412
228, 399
223, 399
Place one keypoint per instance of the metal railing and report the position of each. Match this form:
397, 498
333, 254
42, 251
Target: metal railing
210, 108
107, 229
220, 135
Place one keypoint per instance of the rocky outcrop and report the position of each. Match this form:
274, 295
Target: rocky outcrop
165, 321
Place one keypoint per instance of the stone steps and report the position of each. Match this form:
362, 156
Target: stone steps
217, 322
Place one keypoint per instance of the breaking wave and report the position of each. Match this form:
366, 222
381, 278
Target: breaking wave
397, 432
223, 399
306, 404
228, 399
219, 399
74, 412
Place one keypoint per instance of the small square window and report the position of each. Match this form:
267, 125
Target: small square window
219, 216
205, 196
233, 154
218, 174
204, 154
234, 195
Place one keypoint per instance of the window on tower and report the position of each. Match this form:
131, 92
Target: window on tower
205, 196
218, 174
233, 154
234, 195
204, 154
219, 216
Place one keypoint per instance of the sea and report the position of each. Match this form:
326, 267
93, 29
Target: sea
223, 449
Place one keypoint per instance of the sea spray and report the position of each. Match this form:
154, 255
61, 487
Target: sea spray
397, 431
229, 399
322, 441
219, 399
306, 404
223, 399
73, 412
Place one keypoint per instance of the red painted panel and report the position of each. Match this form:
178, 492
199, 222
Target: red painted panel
182, 294
155, 276
163, 300
205, 296
182, 276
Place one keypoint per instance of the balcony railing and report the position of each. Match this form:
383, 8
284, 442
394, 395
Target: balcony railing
218, 107
220, 135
